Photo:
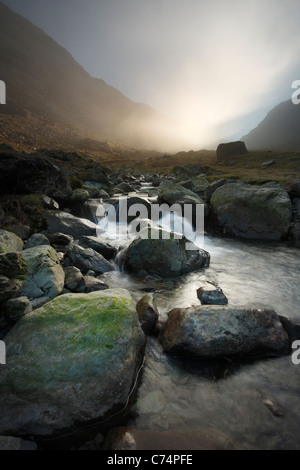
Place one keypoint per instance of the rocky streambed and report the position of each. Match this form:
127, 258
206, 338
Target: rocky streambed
140, 342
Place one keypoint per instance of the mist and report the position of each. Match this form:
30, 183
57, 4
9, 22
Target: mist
215, 67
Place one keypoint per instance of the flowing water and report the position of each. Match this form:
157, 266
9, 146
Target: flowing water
257, 403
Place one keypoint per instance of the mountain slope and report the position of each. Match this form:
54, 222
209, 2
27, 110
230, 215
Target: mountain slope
48, 92
280, 130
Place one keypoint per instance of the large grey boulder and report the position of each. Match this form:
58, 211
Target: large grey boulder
231, 149
68, 224
87, 259
72, 362
105, 249
253, 212
158, 251
213, 331
45, 276
10, 242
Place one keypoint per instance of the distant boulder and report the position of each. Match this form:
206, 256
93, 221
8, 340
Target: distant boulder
230, 149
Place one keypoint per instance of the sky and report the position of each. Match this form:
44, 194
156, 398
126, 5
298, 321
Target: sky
216, 66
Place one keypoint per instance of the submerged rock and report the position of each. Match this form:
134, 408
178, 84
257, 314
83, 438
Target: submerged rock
255, 212
148, 313
203, 439
71, 362
210, 296
161, 252
213, 331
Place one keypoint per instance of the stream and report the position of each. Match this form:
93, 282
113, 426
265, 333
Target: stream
255, 403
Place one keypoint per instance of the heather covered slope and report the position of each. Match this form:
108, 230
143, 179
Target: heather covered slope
51, 97
280, 130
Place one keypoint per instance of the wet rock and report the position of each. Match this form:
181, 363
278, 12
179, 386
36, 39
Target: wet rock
230, 149
15, 443
148, 313
252, 212
87, 259
10, 242
16, 308
202, 439
92, 284
68, 224
209, 190
13, 269
158, 251
74, 279
37, 239
71, 362
177, 194
213, 331
105, 249
45, 276
292, 329
210, 296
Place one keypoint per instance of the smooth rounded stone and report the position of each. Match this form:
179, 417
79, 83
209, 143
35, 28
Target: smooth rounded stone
209, 296
15, 443
72, 362
253, 212
37, 239
79, 195
147, 313
268, 163
45, 276
214, 331
16, 308
87, 259
126, 187
68, 224
10, 242
92, 284
159, 251
74, 279
123, 438
105, 249
13, 269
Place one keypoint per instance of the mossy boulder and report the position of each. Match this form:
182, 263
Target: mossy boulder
177, 194
10, 242
253, 212
72, 362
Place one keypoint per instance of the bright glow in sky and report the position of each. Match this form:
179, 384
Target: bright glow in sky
218, 66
